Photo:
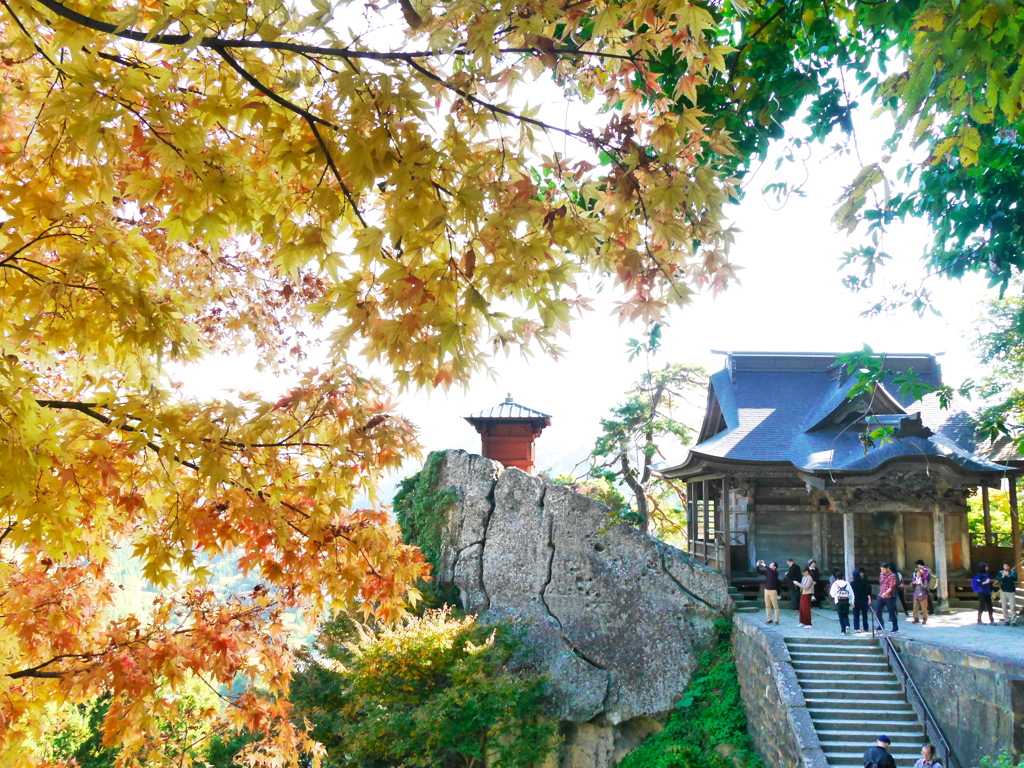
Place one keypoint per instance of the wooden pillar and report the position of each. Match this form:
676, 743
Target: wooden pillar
941, 562
987, 515
1014, 523
691, 518
751, 527
900, 539
965, 543
726, 561
816, 539
706, 511
849, 561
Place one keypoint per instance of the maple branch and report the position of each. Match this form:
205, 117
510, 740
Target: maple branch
38, 670
312, 120
88, 410
220, 43
494, 107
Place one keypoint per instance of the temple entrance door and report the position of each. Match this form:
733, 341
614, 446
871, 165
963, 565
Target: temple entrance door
783, 535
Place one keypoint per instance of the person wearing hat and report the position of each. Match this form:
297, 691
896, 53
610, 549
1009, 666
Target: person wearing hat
878, 756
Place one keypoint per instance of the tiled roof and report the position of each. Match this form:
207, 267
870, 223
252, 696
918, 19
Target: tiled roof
509, 410
793, 409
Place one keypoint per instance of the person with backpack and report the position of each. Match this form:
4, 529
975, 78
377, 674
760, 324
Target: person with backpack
771, 589
842, 595
1008, 594
922, 581
861, 589
982, 586
878, 756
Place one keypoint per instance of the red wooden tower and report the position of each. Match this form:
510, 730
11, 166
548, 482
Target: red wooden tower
508, 432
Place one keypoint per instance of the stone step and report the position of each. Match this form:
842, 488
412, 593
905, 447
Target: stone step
853, 754
853, 700
832, 720
836, 710
839, 676
840, 665
838, 643
878, 693
857, 654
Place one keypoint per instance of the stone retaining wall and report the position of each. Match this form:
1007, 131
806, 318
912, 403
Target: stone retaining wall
778, 720
977, 700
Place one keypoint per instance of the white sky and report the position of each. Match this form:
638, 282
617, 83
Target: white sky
790, 298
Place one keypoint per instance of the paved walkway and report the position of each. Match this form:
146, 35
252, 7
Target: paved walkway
956, 629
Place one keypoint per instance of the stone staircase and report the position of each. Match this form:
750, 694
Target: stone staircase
852, 696
744, 600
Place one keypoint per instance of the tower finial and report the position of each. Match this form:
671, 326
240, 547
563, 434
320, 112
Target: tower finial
508, 398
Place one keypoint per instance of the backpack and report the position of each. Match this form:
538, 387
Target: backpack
843, 593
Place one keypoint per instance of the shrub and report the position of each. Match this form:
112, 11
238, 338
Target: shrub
1005, 759
430, 692
421, 509
707, 729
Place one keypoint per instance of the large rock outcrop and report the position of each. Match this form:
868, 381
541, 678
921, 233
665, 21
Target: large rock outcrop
618, 620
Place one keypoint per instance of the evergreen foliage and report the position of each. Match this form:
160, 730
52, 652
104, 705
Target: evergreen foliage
421, 509
708, 728
430, 692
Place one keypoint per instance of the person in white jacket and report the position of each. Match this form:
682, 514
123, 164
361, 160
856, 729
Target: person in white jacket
842, 595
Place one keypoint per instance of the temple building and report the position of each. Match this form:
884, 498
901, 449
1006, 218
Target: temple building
508, 433
781, 469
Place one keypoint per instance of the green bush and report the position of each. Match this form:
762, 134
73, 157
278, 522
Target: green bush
1006, 759
431, 692
421, 509
707, 729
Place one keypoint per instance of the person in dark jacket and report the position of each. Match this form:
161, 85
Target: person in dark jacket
982, 585
793, 574
861, 601
771, 589
1008, 594
878, 756
819, 585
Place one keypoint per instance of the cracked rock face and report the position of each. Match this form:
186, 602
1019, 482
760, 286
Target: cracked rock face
618, 620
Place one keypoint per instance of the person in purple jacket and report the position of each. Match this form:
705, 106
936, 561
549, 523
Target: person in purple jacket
982, 585
771, 589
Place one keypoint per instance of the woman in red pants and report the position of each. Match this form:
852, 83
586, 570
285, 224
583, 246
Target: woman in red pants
806, 586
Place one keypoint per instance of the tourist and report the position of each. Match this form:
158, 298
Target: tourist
819, 597
931, 578
878, 756
806, 586
900, 592
771, 589
887, 585
922, 582
842, 594
1008, 594
982, 585
861, 601
836, 573
793, 575
927, 759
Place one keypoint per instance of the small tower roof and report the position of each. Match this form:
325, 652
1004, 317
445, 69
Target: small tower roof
509, 410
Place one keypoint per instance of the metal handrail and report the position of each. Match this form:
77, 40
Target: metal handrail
931, 726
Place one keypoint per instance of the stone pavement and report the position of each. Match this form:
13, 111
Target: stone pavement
956, 629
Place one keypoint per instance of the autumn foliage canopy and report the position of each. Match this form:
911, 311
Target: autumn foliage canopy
185, 178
